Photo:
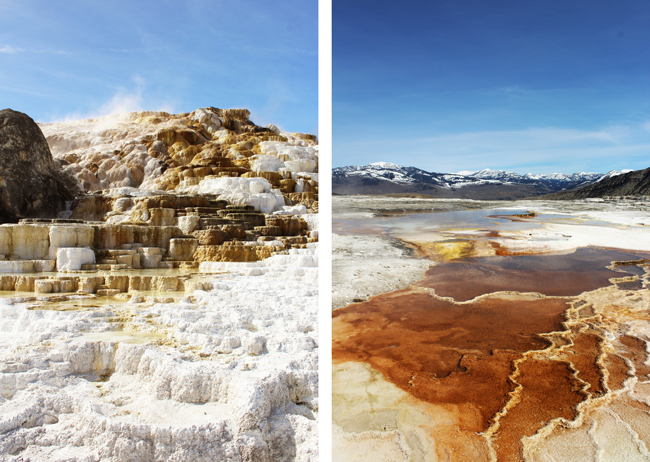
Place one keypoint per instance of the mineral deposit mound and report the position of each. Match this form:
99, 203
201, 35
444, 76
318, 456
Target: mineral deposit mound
158, 288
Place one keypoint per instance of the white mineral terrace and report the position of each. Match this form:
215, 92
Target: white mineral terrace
227, 373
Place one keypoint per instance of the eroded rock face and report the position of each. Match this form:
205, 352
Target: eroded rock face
30, 184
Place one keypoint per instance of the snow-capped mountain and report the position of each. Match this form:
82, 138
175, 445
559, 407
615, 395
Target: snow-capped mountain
387, 178
558, 180
613, 173
391, 172
612, 184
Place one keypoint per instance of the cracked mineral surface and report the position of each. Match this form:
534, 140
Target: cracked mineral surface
527, 340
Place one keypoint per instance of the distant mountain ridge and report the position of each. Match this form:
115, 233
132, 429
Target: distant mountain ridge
389, 178
631, 183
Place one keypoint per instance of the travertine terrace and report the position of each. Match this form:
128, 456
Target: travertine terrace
526, 340
167, 191
169, 313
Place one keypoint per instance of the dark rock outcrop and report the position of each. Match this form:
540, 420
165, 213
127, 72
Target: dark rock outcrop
636, 183
30, 183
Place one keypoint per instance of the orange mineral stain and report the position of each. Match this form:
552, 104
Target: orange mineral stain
549, 391
445, 353
583, 353
617, 371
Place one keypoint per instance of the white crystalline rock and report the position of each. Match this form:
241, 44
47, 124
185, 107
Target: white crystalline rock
73, 388
301, 165
273, 163
188, 223
290, 264
291, 210
207, 118
69, 236
299, 159
271, 243
71, 259
614, 221
281, 157
234, 184
271, 147
133, 192
265, 163
235, 154
558, 237
301, 184
244, 191
294, 139
117, 219
296, 158
312, 221
122, 204
297, 152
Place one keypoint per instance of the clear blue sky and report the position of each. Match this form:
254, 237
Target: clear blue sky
520, 85
81, 58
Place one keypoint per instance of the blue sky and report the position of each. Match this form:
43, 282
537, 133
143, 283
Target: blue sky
526, 86
82, 58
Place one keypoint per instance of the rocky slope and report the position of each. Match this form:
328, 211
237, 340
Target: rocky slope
387, 178
30, 182
634, 183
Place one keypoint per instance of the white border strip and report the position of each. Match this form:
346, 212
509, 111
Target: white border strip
325, 229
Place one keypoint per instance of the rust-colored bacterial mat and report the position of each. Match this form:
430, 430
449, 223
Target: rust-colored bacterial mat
446, 353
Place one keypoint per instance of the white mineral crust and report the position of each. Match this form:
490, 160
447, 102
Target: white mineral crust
224, 374
244, 191
365, 266
71, 258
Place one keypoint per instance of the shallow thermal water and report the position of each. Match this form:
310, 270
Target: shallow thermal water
405, 224
228, 373
525, 344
